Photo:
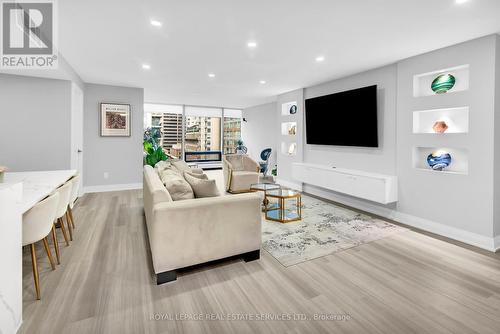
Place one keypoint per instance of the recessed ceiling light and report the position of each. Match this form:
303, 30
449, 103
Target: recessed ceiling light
262, 82
319, 59
461, 1
146, 66
211, 75
252, 44
155, 23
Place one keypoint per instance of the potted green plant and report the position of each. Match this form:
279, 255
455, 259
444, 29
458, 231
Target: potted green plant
153, 152
240, 147
274, 171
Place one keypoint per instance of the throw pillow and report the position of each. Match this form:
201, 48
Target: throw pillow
196, 175
201, 187
176, 185
181, 165
162, 165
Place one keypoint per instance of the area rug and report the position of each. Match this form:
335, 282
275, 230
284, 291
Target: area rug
325, 228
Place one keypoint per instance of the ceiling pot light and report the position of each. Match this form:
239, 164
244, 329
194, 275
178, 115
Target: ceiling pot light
252, 44
155, 23
459, 2
211, 75
319, 59
146, 66
262, 82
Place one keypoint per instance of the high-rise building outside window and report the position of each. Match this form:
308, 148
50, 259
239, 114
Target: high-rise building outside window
232, 130
205, 136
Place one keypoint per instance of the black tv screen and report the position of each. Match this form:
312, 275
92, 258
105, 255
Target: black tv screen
345, 119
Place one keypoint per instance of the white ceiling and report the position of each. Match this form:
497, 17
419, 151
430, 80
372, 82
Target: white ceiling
107, 41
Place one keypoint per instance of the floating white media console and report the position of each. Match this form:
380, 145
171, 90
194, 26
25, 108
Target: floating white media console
371, 186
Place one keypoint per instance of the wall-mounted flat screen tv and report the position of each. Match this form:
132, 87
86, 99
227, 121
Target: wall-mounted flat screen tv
345, 119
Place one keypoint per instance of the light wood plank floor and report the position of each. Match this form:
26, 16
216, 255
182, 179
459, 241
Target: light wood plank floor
407, 283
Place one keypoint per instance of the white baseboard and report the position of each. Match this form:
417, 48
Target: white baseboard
289, 184
497, 243
111, 187
487, 243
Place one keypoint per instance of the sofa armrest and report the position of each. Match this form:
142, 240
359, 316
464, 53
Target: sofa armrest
189, 232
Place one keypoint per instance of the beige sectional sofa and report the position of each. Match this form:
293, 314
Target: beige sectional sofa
188, 232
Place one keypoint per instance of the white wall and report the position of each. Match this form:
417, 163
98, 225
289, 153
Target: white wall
120, 157
462, 202
381, 159
35, 123
496, 202
259, 131
285, 160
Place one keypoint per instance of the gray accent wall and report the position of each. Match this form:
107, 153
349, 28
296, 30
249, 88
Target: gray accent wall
259, 131
119, 157
35, 123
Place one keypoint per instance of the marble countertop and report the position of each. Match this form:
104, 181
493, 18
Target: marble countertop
38, 185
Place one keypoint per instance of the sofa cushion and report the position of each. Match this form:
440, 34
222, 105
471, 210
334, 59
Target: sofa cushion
162, 165
165, 165
177, 186
196, 175
202, 187
181, 165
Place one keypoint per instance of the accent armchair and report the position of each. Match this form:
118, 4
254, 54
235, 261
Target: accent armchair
240, 172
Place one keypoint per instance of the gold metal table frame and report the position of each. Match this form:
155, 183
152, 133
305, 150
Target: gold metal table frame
283, 215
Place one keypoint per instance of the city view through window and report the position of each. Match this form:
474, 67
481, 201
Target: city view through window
205, 137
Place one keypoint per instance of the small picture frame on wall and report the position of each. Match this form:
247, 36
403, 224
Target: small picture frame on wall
115, 120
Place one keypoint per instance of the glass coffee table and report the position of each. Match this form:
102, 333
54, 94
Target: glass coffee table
264, 187
284, 205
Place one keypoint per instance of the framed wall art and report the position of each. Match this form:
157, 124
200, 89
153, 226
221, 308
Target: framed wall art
115, 120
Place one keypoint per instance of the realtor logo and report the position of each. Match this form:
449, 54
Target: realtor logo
28, 34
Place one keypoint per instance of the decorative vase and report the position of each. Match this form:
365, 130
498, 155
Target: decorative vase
439, 160
443, 83
440, 127
293, 109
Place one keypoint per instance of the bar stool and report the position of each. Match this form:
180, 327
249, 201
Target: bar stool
64, 192
37, 223
74, 195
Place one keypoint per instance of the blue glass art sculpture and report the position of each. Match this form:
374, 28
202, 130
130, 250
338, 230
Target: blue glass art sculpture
439, 160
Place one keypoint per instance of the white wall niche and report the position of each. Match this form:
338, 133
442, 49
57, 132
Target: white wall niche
422, 82
285, 108
289, 128
459, 160
289, 149
457, 120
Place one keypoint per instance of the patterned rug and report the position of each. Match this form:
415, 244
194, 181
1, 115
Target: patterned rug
324, 229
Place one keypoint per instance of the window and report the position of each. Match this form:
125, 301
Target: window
205, 136
168, 118
232, 130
